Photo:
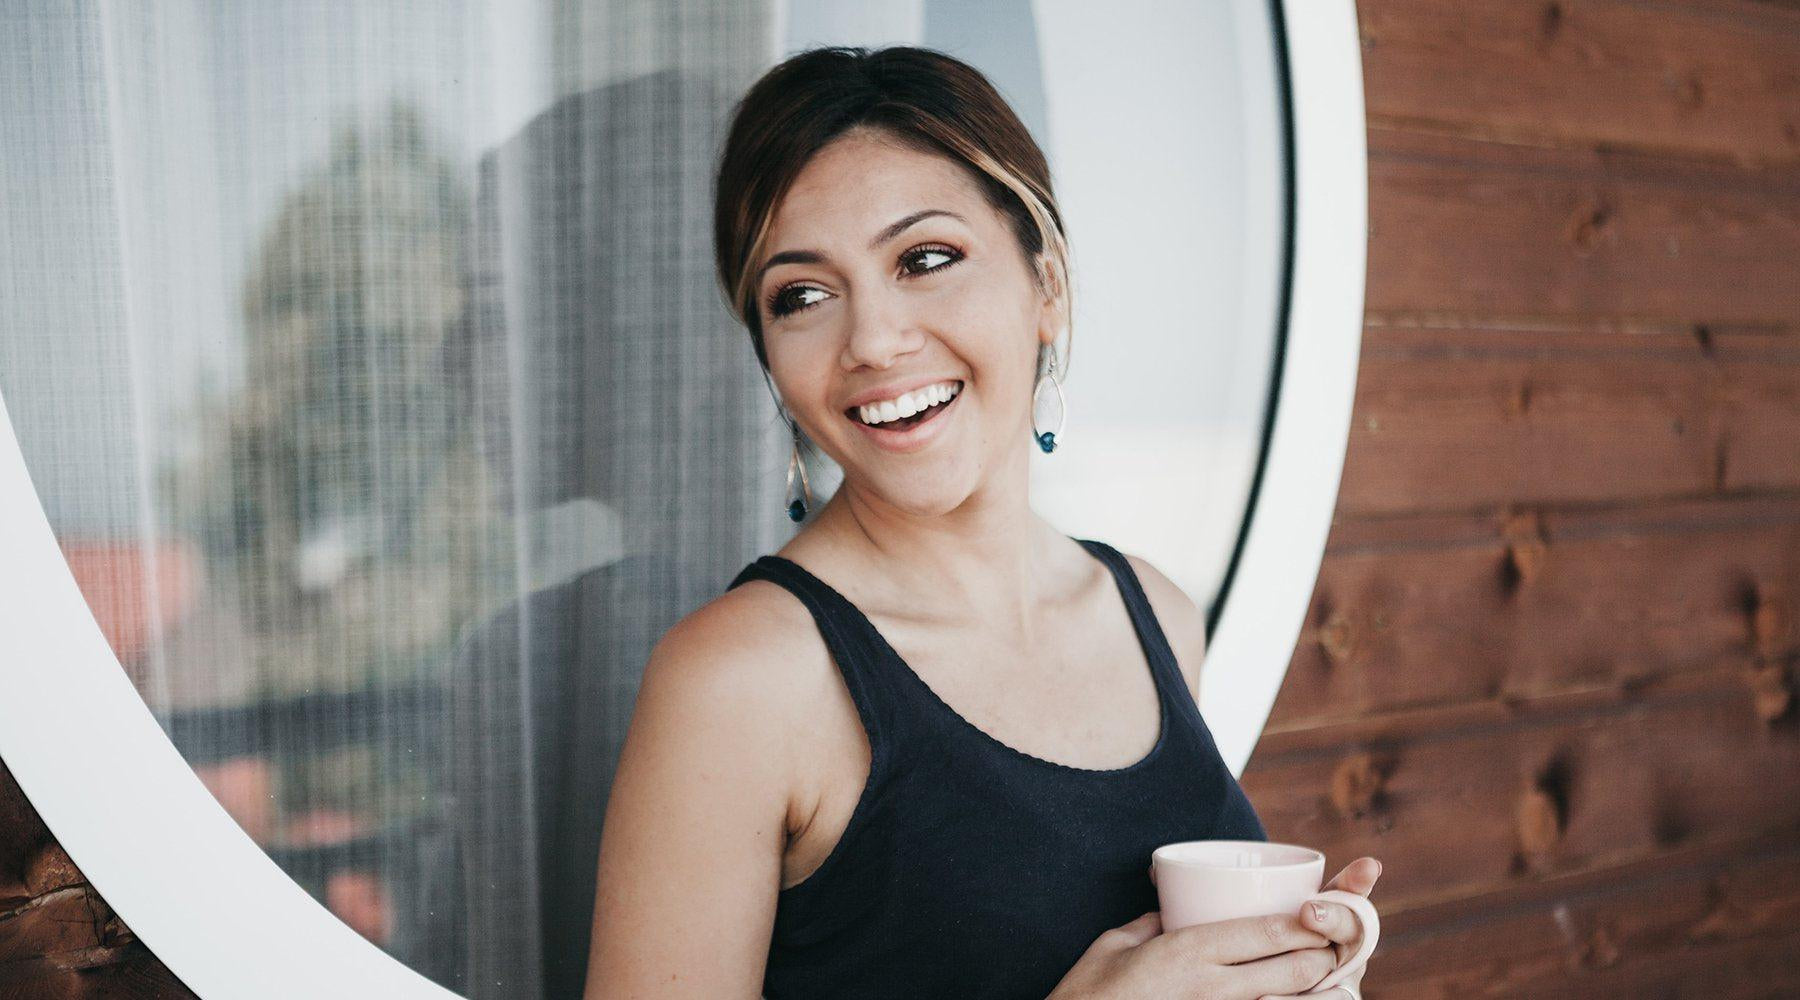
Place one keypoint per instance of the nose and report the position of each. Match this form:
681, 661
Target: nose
881, 331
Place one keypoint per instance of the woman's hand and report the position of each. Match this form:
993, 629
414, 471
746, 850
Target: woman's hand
1339, 924
1249, 958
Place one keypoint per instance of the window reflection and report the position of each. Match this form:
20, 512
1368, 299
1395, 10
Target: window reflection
385, 428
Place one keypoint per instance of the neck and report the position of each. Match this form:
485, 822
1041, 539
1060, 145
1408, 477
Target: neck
986, 559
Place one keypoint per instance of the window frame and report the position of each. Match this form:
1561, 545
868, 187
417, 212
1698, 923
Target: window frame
230, 922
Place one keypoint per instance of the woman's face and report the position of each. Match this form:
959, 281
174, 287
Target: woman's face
869, 297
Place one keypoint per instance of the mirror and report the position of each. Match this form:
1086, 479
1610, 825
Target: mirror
370, 411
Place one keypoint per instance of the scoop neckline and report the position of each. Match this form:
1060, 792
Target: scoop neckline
1165, 716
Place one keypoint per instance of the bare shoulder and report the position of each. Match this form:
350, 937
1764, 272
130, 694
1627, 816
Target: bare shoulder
718, 695
744, 619
753, 654
1182, 620
748, 647
691, 851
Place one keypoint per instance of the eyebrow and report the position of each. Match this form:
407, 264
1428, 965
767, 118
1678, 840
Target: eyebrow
888, 232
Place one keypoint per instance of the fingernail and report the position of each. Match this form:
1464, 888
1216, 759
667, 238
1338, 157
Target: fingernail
1377, 869
1318, 913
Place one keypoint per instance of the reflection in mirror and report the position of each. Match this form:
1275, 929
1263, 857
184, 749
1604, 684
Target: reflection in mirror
369, 368
1165, 128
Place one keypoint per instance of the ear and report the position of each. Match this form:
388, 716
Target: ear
1054, 284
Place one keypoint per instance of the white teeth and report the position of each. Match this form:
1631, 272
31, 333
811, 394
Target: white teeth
907, 404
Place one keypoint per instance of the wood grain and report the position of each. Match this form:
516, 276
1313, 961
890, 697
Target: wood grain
1420, 611
1466, 806
1550, 674
58, 937
1468, 418
1482, 229
1714, 921
1716, 79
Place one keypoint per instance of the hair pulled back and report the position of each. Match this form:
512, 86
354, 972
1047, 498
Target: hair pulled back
921, 98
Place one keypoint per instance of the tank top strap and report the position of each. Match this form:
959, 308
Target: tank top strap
860, 652
1164, 667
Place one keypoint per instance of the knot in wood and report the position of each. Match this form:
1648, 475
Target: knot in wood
1543, 809
1337, 638
1550, 23
1689, 90
1590, 226
1518, 402
1358, 785
1539, 829
1771, 693
1525, 545
1601, 951
1769, 623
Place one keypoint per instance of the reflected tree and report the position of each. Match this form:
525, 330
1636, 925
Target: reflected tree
342, 500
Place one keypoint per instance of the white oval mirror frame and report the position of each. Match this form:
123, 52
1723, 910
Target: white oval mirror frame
229, 922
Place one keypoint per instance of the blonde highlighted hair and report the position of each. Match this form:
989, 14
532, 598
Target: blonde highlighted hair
920, 98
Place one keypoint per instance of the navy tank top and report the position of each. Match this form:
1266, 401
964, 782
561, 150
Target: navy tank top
970, 869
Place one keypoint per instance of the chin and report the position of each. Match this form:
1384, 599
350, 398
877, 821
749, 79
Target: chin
918, 500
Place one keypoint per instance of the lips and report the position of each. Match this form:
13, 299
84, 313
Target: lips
901, 436
893, 391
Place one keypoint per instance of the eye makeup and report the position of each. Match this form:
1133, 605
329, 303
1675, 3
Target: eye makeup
778, 303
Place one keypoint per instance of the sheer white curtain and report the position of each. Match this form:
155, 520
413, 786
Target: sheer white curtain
367, 358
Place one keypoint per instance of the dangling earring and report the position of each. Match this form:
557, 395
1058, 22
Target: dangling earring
797, 505
1039, 399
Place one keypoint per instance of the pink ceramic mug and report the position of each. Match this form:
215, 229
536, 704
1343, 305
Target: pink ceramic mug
1202, 881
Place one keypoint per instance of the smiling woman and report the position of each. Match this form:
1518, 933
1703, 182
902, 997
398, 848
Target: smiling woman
926, 748
969, 289
922, 303
371, 432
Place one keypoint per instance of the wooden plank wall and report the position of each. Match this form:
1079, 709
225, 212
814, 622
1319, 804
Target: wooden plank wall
58, 939
1550, 671
1550, 667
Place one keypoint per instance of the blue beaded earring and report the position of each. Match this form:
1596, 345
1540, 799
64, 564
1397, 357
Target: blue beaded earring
797, 505
1042, 401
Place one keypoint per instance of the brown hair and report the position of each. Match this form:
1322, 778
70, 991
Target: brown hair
921, 98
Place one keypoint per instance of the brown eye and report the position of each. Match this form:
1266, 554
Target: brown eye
781, 302
936, 258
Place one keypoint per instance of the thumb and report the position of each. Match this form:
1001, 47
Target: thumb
1142, 929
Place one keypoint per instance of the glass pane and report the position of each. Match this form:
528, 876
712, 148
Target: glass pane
368, 361
1166, 141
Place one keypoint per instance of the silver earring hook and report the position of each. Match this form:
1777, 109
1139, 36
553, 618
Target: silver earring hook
1047, 363
798, 505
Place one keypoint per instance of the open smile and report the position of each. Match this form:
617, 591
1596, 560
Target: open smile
909, 434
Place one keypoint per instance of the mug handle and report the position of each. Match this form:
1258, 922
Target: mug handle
1371, 930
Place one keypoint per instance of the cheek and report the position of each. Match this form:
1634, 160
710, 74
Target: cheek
800, 369
990, 332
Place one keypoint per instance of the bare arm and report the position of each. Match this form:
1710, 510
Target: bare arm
691, 847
